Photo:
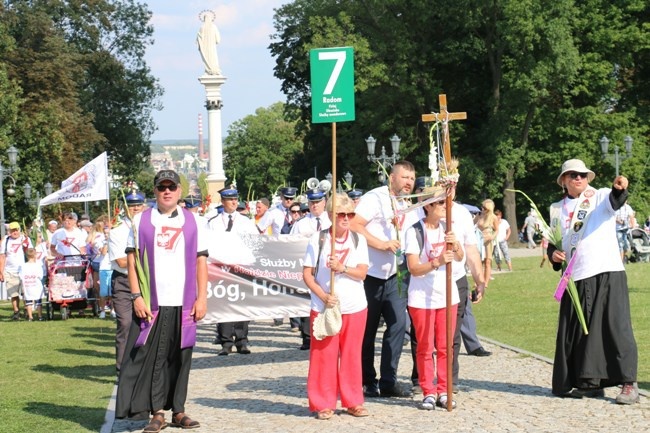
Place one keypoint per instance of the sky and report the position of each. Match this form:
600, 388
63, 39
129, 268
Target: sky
245, 27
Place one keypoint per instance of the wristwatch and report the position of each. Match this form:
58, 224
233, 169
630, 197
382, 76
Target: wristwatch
135, 296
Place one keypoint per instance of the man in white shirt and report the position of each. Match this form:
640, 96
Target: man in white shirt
503, 234
12, 257
232, 333
279, 218
379, 220
624, 222
69, 240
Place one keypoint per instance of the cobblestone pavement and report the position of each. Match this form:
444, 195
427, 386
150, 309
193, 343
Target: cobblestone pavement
266, 391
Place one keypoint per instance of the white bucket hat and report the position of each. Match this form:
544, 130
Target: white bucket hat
575, 165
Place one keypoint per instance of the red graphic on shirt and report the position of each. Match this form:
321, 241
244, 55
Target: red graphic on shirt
341, 255
13, 248
39, 255
436, 250
168, 237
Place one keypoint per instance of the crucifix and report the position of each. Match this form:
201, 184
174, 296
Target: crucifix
444, 117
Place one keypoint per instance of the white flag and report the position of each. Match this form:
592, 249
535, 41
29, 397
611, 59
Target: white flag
89, 183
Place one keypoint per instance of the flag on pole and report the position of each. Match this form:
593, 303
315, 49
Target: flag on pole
89, 183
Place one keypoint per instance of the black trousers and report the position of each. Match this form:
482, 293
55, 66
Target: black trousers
232, 333
123, 306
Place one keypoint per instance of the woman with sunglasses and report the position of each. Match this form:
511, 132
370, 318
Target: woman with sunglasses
607, 356
335, 361
427, 257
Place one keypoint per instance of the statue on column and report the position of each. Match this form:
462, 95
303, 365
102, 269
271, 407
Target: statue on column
207, 39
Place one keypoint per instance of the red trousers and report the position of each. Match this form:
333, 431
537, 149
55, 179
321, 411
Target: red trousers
335, 365
431, 334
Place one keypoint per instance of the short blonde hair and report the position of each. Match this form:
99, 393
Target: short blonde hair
343, 203
488, 205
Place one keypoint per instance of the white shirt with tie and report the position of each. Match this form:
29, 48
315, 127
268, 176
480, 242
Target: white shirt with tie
308, 225
240, 223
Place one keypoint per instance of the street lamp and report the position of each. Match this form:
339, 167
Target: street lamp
27, 191
618, 158
383, 159
12, 152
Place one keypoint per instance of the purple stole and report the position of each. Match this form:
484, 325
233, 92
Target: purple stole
146, 239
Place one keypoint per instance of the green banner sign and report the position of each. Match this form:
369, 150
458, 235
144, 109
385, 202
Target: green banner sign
332, 84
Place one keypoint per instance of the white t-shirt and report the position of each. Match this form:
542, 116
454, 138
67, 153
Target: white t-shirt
375, 208
117, 244
350, 292
274, 218
14, 252
462, 225
69, 243
598, 249
31, 275
623, 215
307, 226
504, 225
429, 290
169, 254
42, 251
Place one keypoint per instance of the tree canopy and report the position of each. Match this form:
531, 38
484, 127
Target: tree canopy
73, 84
541, 82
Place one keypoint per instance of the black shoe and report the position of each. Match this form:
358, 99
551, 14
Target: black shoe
16, 316
305, 346
371, 391
277, 322
225, 351
480, 352
395, 391
585, 392
243, 349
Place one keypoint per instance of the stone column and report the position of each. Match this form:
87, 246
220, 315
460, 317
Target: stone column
216, 175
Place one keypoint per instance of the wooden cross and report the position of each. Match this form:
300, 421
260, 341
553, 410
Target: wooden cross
444, 116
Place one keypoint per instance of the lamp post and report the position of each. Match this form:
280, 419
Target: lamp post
348, 179
12, 152
618, 158
383, 159
27, 191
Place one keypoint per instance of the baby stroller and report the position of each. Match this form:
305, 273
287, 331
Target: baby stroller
639, 245
70, 286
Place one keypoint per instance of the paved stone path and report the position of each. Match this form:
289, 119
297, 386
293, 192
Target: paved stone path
266, 391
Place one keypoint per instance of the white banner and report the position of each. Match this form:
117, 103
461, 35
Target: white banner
89, 183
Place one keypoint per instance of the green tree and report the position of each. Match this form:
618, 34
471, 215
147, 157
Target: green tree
259, 149
541, 81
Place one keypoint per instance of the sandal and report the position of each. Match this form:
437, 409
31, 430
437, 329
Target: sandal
358, 411
325, 414
156, 424
183, 421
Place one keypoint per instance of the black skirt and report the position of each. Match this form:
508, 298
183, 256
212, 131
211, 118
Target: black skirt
154, 376
608, 355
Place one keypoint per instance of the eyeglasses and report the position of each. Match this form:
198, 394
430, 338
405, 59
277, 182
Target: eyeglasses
162, 188
295, 211
342, 215
574, 175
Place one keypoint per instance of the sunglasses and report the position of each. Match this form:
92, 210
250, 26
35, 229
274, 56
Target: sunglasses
342, 215
295, 211
162, 188
574, 175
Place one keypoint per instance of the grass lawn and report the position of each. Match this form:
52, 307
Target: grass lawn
519, 310
57, 376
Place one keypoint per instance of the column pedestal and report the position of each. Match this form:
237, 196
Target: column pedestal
216, 175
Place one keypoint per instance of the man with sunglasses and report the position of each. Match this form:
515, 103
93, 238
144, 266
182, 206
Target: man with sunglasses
171, 243
607, 356
379, 221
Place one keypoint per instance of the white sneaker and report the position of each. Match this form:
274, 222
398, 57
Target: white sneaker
429, 403
442, 401
102, 315
113, 315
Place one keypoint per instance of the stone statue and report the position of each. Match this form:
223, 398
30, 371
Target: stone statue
207, 39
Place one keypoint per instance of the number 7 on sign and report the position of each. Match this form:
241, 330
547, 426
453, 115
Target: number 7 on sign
340, 57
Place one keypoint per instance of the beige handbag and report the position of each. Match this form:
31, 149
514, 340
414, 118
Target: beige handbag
328, 323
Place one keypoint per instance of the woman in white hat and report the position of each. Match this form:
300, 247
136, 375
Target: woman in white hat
427, 258
607, 356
